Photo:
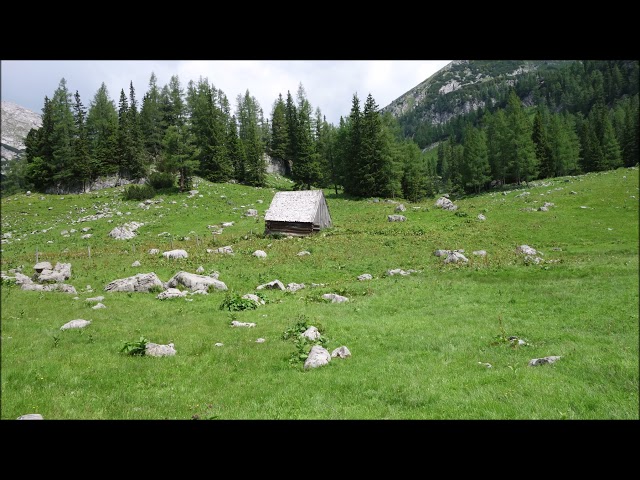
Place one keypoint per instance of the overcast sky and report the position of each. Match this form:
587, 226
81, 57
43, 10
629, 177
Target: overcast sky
329, 84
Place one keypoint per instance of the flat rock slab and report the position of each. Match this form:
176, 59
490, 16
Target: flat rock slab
79, 323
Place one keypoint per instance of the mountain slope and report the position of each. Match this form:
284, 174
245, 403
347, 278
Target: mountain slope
462, 87
16, 123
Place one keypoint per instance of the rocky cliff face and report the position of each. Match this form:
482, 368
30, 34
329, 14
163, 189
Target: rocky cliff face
461, 87
16, 123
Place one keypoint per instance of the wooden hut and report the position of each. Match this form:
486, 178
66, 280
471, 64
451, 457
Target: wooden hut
297, 213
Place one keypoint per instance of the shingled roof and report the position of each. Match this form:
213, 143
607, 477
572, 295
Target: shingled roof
300, 206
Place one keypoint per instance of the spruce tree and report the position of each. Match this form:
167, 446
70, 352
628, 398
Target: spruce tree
84, 165
279, 131
352, 150
180, 155
62, 137
102, 127
151, 121
249, 132
305, 170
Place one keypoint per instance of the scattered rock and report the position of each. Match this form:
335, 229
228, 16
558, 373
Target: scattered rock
255, 298
95, 299
195, 282
482, 217
30, 416
318, 356
293, 287
260, 254
260, 340
98, 306
141, 282
136, 263
303, 252
401, 208
273, 285
365, 276
341, 352
446, 204
175, 254
75, 324
311, 333
335, 298
541, 361
526, 250
171, 293
154, 251
236, 323
396, 218
155, 350
480, 253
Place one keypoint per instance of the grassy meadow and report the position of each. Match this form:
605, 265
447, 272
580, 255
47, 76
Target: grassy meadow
419, 344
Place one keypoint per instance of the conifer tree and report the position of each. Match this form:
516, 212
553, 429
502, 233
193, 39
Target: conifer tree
151, 124
39, 151
279, 131
305, 170
497, 136
541, 145
84, 167
102, 127
249, 132
519, 152
136, 165
291, 117
180, 155
475, 169
62, 136
352, 150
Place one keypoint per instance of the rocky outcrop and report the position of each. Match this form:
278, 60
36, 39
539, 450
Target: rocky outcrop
16, 123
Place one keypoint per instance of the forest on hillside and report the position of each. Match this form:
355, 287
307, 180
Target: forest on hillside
572, 120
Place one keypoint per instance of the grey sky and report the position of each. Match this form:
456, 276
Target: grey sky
329, 84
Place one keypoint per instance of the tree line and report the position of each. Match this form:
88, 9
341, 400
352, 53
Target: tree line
193, 131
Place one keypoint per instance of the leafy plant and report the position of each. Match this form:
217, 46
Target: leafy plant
135, 348
302, 344
235, 303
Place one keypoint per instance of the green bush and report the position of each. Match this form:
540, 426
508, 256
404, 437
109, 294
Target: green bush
135, 348
235, 303
160, 180
139, 192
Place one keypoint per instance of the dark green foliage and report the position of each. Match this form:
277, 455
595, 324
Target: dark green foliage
138, 192
161, 180
235, 303
279, 141
249, 133
135, 348
102, 126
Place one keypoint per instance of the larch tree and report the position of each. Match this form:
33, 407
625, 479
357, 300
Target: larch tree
520, 150
475, 169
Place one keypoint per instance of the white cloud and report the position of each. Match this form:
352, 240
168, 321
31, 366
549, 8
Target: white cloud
328, 84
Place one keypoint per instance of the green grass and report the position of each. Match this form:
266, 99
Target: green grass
416, 341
